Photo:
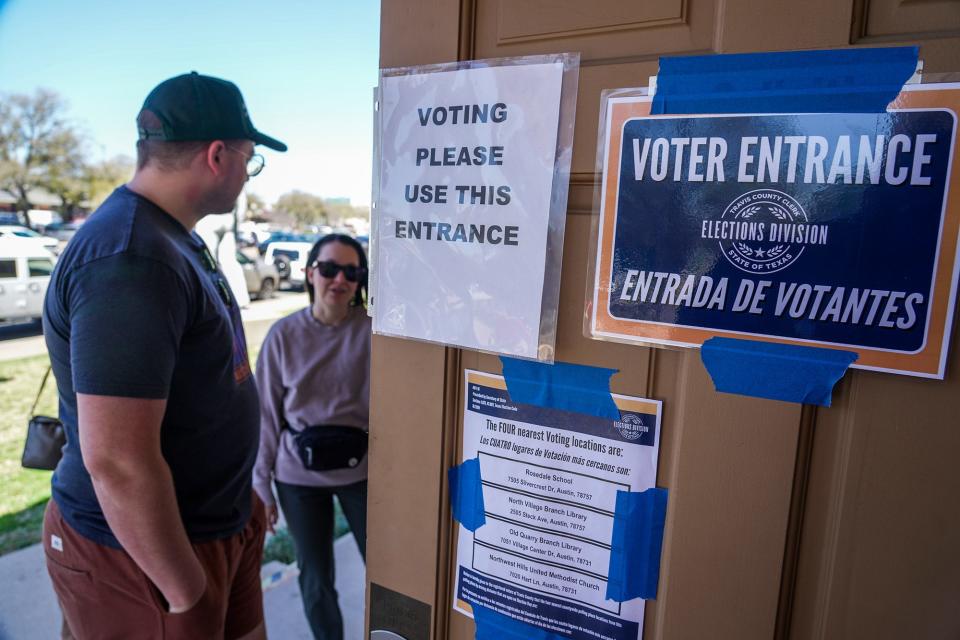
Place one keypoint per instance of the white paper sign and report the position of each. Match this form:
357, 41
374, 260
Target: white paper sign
466, 175
550, 483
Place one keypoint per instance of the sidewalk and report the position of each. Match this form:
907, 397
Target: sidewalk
284, 611
28, 608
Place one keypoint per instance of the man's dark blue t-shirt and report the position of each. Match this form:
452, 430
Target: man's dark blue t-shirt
136, 308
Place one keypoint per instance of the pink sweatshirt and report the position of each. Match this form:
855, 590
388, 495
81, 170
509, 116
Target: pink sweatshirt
312, 374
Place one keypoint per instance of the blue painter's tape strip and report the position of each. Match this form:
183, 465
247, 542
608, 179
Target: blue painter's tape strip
466, 494
564, 386
636, 543
496, 626
828, 81
775, 371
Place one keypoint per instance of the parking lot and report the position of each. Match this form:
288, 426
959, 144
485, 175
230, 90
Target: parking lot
23, 340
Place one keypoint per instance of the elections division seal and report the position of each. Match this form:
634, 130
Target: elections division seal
764, 231
630, 426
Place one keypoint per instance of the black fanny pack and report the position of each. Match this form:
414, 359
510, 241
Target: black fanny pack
330, 447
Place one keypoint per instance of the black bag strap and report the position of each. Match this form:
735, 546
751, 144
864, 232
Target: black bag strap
33, 409
286, 425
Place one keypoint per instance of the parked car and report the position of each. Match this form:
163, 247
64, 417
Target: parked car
25, 270
15, 231
262, 278
290, 259
286, 236
61, 230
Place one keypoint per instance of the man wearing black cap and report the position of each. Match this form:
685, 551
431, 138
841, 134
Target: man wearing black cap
153, 530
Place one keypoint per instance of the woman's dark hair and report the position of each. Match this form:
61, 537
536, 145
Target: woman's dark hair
360, 298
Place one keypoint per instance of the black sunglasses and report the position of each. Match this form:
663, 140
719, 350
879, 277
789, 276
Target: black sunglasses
330, 269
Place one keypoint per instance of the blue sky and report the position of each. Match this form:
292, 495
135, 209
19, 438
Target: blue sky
306, 68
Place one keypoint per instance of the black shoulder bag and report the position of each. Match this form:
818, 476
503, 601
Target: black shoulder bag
328, 447
45, 438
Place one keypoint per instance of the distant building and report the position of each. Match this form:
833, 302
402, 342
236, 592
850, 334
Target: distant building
43, 205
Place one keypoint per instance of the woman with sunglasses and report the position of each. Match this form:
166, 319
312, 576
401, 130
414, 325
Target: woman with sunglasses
313, 374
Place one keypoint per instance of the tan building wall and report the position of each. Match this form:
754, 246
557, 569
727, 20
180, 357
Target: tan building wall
785, 521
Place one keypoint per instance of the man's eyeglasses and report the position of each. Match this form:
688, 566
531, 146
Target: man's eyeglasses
254, 163
330, 269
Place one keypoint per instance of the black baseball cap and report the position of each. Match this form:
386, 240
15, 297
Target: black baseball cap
196, 107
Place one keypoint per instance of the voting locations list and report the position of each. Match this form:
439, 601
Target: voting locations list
466, 178
825, 229
550, 482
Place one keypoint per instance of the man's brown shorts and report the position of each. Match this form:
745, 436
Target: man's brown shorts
104, 594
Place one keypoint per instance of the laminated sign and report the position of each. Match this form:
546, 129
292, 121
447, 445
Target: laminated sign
545, 554
468, 225
831, 230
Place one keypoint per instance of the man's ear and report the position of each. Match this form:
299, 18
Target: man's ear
213, 158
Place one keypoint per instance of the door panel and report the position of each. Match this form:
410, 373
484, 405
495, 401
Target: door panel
911, 19
599, 30
858, 540
542, 20
880, 558
783, 25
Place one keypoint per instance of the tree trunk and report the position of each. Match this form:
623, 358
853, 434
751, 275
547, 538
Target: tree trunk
24, 206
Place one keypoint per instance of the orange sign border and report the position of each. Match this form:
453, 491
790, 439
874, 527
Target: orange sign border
928, 362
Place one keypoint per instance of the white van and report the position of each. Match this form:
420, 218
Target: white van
25, 270
25, 234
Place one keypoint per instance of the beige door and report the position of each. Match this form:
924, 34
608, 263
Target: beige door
784, 521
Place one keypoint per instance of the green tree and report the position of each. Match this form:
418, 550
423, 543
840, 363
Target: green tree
256, 207
305, 208
68, 176
102, 178
80, 184
338, 211
39, 149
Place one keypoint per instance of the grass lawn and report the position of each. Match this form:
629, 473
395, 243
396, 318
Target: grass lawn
25, 492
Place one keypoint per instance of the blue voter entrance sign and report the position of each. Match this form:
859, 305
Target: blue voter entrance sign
830, 230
